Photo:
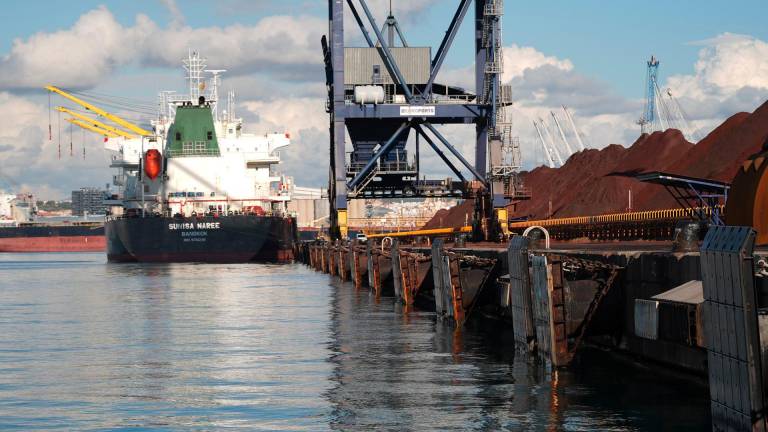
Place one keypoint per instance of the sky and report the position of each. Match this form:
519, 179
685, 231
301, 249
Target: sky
589, 55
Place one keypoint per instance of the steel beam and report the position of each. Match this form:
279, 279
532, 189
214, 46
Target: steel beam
456, 153
444, 113
445, 45
386, 54
400, 34
338, 125
360, 23
439, 153
481, 141
382, 151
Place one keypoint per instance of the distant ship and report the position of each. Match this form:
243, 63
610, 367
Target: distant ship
20, 231
197, 188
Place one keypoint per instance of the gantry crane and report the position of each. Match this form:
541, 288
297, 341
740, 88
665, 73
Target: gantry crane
380, 94
660, 112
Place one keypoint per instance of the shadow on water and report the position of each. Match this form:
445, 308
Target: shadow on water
402, 370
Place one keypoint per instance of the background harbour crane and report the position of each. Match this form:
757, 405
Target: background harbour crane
662, 110
573, 126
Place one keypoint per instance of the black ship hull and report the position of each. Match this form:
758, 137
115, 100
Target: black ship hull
229, 239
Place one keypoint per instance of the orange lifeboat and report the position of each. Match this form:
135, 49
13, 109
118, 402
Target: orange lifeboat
153, 163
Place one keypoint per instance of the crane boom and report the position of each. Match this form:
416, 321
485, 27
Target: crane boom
553, 149
96, 123
562, 134
126, 124
544, 146
573, 126
92, 128
549, 137
678, 112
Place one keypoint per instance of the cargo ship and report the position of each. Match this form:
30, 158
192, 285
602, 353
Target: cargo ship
20, 231
197, 187
44, 237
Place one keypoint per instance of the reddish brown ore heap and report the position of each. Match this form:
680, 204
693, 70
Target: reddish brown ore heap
596, 182
454, 217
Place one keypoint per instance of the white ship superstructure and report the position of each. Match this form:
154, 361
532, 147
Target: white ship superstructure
16, 208
219, 170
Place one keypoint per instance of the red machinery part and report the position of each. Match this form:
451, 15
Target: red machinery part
748, 198
153, 163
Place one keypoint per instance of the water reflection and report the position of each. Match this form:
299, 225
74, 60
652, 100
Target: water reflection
96, 345
86, 344
404, 370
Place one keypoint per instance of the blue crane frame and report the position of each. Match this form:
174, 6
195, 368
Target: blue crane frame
482, 115
649, 113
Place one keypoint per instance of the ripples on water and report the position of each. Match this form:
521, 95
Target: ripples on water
90, 345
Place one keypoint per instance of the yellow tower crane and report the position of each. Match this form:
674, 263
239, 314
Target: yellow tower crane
95, 122
92, 128
117, 120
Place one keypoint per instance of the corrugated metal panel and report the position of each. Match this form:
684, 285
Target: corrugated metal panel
732, 329
677, 322
447, 288
502, 285
700, 336
541, 304
306, 212
322, 208
690, 292
647, 319
437, 275
310, 212
397, 271
520, 290
370, 258
413, 62
292, 206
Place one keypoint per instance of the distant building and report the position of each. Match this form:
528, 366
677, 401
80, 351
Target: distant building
311, 207
88, 200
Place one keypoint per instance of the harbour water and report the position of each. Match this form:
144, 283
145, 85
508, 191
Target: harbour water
89, 345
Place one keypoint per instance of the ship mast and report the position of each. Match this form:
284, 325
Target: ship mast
195, 65
213, 96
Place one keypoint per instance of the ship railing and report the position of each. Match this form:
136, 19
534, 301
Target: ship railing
192, 152
138, 214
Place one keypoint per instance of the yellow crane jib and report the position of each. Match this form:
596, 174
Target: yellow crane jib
115, 119
92, 128
96, 123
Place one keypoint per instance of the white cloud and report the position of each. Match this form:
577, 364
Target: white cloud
726, 64
518, 59
80, 56
29, 160
306, 159
730, 75
177, 18
97, 45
